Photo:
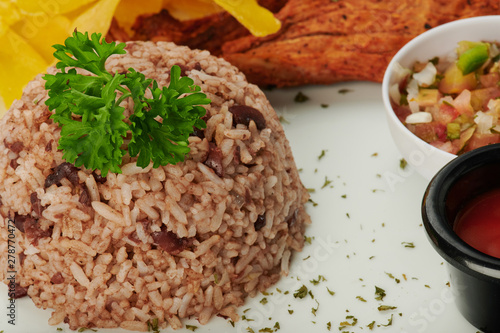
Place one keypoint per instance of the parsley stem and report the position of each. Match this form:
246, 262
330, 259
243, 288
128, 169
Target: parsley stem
125, 95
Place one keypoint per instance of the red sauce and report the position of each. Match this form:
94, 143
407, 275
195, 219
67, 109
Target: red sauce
478, 223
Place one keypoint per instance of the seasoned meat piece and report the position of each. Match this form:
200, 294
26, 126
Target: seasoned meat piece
320, 42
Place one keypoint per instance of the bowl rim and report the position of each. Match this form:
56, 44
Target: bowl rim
441, 29
441, 235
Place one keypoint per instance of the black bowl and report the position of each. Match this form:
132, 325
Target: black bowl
474, 276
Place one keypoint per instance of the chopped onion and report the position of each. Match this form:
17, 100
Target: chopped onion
484, 122
427, 75
414, 106
496, 129
446, 146
419, 118
399, 72
394, 93
494, 105
494, 50
446, 99
412, 89
462, 102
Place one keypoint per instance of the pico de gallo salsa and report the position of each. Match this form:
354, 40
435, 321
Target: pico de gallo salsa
452, 102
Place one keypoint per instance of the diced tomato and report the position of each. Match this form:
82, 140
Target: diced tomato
481, 97
444, 114
489, 80
429, 132
462, 103
446, 146
424, 131
440, 130
479, 140
401, 111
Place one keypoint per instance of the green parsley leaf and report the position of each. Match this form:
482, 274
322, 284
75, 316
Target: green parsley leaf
87, 108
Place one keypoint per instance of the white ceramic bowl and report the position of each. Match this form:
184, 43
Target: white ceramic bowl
440, 41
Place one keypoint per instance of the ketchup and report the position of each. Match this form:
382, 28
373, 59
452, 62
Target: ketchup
478, 223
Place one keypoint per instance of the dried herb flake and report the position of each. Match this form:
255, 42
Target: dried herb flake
380, 293
301, 292
301, 97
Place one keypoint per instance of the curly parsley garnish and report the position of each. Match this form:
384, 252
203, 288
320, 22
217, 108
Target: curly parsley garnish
92, 121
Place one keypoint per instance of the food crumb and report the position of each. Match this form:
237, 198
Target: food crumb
408, 245
327, 182
345, 91
301, 97
380, 293
323, 152
403, 163
301, 292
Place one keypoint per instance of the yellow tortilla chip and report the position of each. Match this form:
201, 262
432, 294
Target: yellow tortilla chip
19, 63
190, 10
29, 28
257, 19
51, 7
97, 18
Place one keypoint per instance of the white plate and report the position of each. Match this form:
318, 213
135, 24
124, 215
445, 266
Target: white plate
361, 224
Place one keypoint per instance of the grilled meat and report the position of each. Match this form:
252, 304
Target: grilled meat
320, 42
